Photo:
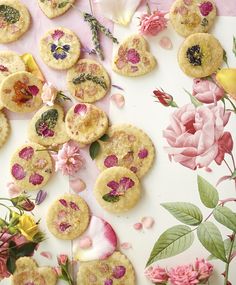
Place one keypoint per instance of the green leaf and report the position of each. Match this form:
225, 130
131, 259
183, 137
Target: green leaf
208, 193
26, 249
225, 58
226, 217
63, 4
94, 150
9, 14
104, 138
110, 198
227, 245
11, 264
186, 213
233, 175
172, 242
193, 99
210, 237
234, 45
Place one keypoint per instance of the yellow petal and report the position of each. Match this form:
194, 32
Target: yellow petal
226, 78
32, 66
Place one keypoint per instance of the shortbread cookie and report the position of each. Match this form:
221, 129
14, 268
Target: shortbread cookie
192, 16
127, 146
4, 129
47, 126
116, 270
14, 20
200, 55
88, 81
86, 123
117, 189
60, 48
68, 217
31, 166
28, 272
20, 92
10, 62
99, 241
55, 8
133, 57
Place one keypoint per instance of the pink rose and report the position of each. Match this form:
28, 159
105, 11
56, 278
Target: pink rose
49, 94
204, 269
152, 24
183, 275
225, 145
156, 274
194, 134
62, 259
207, 91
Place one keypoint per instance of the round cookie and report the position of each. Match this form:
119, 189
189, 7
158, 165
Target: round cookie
20, 92
200, 55
192, 16
47, 126
88, 81
127, 146
68, 217
60, 48
4, 129
14, 20
117, 189
55, 8
10, 62
86, 123
115, 270
31, 166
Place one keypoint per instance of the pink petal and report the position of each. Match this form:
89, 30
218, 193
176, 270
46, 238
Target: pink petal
118, 99
147, 222
166, 43
80, 109
46, 254
77, 185
125, 245
36, 179
26, 153
138, 226
85, 242
33, 90
18, 172
110, 161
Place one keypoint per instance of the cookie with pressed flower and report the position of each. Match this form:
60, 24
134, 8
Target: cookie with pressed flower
4, 129
20, 92
88, 81
115, 270
47, 126
192, 16
86, 123
55, 8
117, 189
127, 146
68, 217
14, 20
28, 272
10, 62
200, 55
31, 166
133, 57
60, 48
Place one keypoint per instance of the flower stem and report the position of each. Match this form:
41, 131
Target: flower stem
228, 260
228, 166
231, 102
233, 160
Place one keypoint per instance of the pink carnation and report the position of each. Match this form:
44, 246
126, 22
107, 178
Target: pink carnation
183, 275
156, 274
152, 24
204, 269
194, 135
69, 159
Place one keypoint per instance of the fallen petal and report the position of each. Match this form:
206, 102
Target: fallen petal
125, 245
138, 226
147, 222
118, 99
166, 43
46, 254
77, 185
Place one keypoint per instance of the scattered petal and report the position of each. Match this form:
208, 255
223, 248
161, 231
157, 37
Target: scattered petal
138, 226
147, 222
40, 197
85, 242
13, 189
77, 185
125, 245
166, 43
46, 254
118, 99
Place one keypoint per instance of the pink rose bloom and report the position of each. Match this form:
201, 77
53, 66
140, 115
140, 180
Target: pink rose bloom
207, 91
183, 275
204, 269
62, 259
156, 274
194, 135
152, 24
69, 159
49, 94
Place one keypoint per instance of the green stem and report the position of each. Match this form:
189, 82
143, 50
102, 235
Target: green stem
9, 209
231, 102
228, 260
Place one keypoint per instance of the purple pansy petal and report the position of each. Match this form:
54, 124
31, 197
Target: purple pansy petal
66, 47
64, 226
26, 153
108, 282
111, 160
119, 272
36, 179
143, 153
206, 8
40, 197
57, 35
74, 206
63, 202
133, 56
126, 183
18, 172
53, 47
80, 109
33, 90
113, 185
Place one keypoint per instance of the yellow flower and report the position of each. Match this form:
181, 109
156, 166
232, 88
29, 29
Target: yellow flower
226, 78
27, 227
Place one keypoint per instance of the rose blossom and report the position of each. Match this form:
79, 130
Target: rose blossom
62, 259
49, 94
152, 24
204, 269
183, 275
156, 274
194, 134
207, 91
68, 159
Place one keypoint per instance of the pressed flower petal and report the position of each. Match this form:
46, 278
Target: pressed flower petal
40, 197
77, 185
147, 222
166, 43
26, 153
33, 90
118, 99
125, 245
46, 254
